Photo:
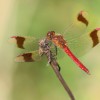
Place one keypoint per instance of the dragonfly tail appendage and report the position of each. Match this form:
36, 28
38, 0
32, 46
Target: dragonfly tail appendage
72, 56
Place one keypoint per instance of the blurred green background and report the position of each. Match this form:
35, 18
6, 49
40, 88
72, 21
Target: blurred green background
36, 81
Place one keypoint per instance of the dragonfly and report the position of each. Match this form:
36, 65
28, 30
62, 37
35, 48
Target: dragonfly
83, 41
59, 41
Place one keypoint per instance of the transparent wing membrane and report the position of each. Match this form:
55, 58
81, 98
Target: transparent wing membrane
78, 26
81, 45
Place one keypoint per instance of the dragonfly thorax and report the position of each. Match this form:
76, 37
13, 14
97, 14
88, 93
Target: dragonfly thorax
58, 40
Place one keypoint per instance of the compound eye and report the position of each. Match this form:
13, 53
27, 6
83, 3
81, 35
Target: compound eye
50, 35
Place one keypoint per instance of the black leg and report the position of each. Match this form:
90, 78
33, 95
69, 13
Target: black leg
56, 49
59, 68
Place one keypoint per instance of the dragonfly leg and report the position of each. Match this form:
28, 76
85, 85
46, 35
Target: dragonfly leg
59, 68
56, 50
55, 53
56, 64
53, 59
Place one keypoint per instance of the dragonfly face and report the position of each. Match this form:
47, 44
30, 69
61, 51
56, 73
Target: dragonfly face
50, 35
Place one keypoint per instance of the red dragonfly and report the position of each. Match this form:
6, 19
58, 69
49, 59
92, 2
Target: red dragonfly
59, 41
81, 41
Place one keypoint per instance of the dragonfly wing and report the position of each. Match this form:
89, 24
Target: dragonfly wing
78, 39
24, 42
85, 42
78, 27
28, 57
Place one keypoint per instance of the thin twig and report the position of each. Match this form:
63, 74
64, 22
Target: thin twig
55, 68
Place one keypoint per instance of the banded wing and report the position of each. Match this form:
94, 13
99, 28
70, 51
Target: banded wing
27, 43
78, 26
28, 57
78, 39
24, 42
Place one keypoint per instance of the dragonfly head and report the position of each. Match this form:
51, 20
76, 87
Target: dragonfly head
50, 35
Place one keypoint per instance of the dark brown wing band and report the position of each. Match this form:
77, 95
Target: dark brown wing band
27, 57
82, 19
20, 41
94, 37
